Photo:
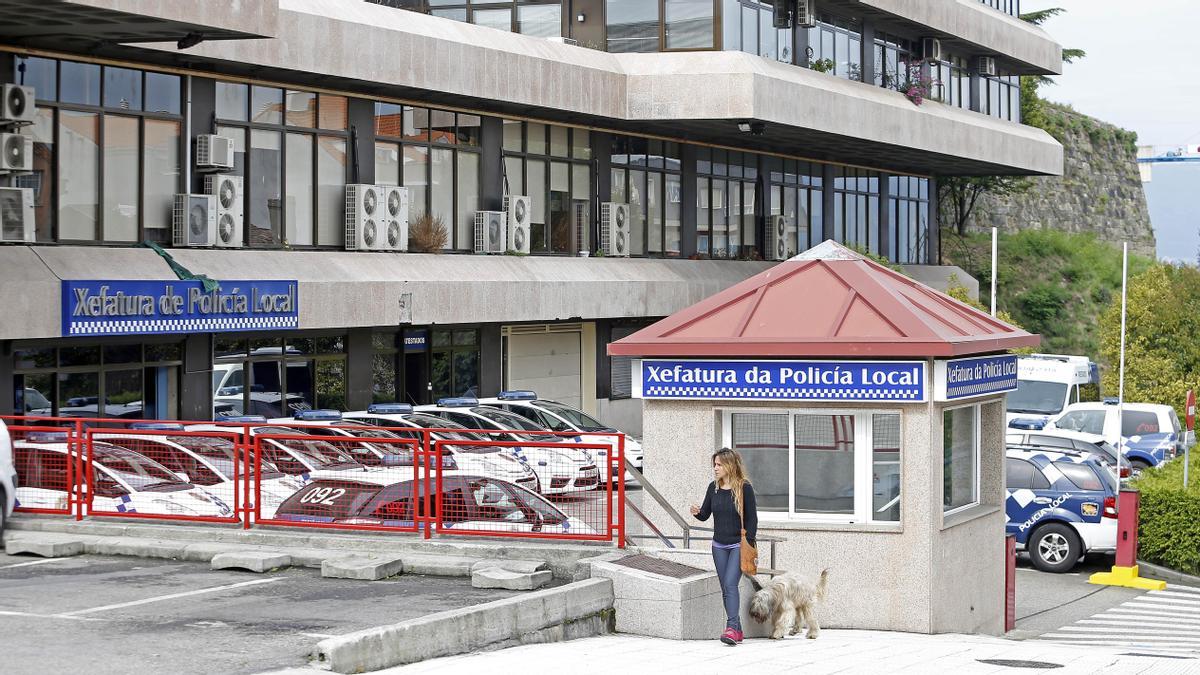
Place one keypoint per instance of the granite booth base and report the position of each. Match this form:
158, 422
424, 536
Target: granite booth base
688, 608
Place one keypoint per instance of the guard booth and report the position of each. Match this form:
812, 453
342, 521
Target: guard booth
869, 410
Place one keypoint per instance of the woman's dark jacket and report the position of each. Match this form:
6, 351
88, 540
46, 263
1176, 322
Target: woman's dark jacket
727, 525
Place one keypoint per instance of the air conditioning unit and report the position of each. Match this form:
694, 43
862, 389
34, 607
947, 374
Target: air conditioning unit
227, 189
364, 217
986, 66
520, 215
214, 153
16, 104
806, 17
194, 220
614, 229
781, 13
491, 228
16, 215
16, 153
931, 49
395, 218
778, 236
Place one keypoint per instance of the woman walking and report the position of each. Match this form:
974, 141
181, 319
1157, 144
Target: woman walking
730, 502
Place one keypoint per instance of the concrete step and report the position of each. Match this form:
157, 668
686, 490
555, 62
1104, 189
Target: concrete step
498, 577
252, 560
366, 567
44, 545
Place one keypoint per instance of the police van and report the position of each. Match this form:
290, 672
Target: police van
1061, 505
1046, 384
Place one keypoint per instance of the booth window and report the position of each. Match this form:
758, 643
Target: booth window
960, 458
840, 467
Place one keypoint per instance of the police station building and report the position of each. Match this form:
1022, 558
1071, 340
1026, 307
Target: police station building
214, 207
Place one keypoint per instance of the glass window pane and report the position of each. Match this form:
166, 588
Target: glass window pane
80, 83
885, 463
762, 441
731, 25
442, 184
79, 394
558, 141
42, 178
122, 88
500, 19
123, 394
632, 25
238, 136
416, 124
441, 126
535, 138
232, 100
331, 191
78, 190
331, 384
689, 24
515, 175
389, 119
512, 136
161, 165
263, 187
416, 179
766, 34
673, 215
387, 163
824, 476
540, 20
581, 181
332, 112
162, 93
749, 29
469, 130
654, 188
301, 109
960, 448
299, 204
637, 212
468, 198
41, 74
266, 105
383, 378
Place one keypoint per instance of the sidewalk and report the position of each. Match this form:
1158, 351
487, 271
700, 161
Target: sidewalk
835, 651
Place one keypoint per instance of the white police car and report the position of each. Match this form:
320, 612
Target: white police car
8, 477
1060, 506
1076, 441
487, 460
555, 416
207, 461
560, 470
1148, 433
122, 480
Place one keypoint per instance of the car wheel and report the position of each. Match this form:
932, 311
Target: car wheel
1137, 466
1054, 547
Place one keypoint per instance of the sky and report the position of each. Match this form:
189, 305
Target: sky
1141, 71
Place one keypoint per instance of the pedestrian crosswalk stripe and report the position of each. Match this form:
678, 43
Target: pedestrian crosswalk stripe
1189, 589
1166, 608
1176, 594
1132, 612
1114, 620
1150, 631
1152, 597
1131, 638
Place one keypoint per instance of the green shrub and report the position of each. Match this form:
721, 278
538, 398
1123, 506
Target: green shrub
1169, 517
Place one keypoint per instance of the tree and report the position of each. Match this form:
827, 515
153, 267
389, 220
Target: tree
961, 194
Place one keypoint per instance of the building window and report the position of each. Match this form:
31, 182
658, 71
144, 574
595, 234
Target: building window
132, 380
796, 194
960, 457
820, 466
454, 367
953, 82
107, 147
856, 208
647, 176
748, 26
908, 215
1001, 96
275, 376
552, 169
894, 59
1010, 7
632, 25
620, 372
688, 24
840, 41
725, 202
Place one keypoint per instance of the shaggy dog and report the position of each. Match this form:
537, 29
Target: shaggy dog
787, 600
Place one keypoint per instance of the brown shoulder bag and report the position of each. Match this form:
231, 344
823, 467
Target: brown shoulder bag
749, 553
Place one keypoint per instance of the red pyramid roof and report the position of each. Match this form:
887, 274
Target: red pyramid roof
828, 301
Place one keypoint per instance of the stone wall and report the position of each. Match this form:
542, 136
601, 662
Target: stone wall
1100, 190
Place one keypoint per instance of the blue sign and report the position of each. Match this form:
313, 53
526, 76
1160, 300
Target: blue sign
967, 378
415, 341
161, 307
901, 381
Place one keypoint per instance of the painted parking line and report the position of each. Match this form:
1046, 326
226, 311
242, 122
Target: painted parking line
32, 615
172, 596
33, 562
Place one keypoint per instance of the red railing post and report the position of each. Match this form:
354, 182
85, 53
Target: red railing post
621, 491
430, 519
254, 454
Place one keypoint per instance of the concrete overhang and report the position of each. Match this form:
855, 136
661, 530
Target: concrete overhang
340, 289
51, 24
971, 26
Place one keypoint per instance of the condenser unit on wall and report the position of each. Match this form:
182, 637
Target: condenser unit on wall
806, 17
16, 104
214, 153
16, 215
778, 237
194, 220
16, 153
614, 229
364, 217
986, 65
395, 218
931, 49
520, 213
227, 190
491, 228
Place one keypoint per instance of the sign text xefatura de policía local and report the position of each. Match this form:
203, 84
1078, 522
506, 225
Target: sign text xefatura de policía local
781, 380
140, 307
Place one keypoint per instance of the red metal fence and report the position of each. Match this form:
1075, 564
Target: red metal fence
348, 476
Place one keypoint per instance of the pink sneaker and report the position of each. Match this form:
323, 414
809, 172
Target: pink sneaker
740, 636
730, 636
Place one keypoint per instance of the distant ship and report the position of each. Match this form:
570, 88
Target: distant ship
1170, 179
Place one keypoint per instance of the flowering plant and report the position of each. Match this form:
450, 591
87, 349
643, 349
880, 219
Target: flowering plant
919, 84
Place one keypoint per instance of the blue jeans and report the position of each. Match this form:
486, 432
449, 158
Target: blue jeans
729, 571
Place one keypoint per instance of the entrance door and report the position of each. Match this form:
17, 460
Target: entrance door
416, 378
549, 363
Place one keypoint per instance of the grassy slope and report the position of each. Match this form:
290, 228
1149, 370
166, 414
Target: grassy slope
1051, 282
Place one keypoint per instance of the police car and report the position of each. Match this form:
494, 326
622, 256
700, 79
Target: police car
1148, 433
123, 481
1060, 506
8, 477
469, 502
487, 460
555, 416
560, 470
1076, 441
207, 461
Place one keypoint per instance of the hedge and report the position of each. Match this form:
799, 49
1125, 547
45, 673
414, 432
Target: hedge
1169, 519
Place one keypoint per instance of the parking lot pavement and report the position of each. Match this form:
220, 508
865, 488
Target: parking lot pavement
1046, 602
102, 614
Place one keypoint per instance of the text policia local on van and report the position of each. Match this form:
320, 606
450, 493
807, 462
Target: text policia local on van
173, 301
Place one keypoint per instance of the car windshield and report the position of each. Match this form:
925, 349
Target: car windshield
578, 418
1037, 398
221, 454
513, 421
139, 472
316, 451
1087, 421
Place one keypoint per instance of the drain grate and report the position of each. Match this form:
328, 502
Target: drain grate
666, 568
1010, 663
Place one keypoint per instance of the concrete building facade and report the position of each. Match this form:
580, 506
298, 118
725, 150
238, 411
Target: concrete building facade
733, 143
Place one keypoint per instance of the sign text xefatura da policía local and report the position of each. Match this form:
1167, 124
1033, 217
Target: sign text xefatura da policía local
780, 380
150, 307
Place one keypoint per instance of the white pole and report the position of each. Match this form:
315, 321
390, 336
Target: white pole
994, 236
1121, 376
